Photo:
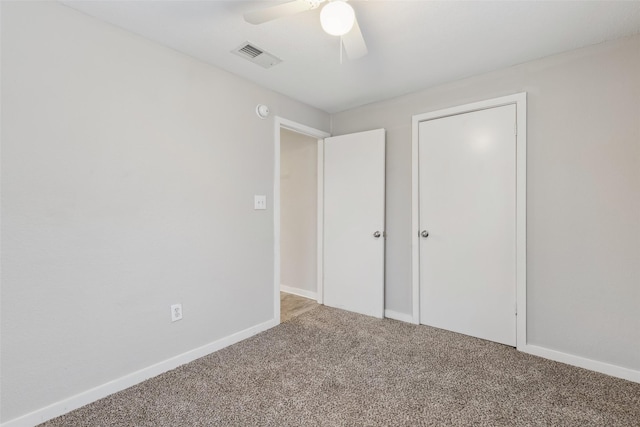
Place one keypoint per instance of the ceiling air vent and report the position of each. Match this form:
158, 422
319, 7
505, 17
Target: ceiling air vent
256, 55
251, 51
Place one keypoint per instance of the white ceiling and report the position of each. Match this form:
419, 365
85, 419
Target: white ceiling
412, 45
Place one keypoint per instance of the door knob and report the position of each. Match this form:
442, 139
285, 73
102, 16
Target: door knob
424, 233
376, 234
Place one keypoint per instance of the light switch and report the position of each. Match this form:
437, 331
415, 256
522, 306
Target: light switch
259, 202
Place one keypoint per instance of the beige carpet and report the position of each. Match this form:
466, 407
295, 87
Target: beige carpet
328, 367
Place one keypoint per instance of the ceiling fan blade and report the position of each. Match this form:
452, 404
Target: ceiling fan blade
261, 16
353, 42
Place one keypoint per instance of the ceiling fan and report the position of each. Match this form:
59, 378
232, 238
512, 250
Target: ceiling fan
336, 17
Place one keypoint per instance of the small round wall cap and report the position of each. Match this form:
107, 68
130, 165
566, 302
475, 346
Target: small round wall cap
262, 111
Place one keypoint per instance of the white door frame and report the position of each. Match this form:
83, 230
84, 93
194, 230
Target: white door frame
280, 123
520, 101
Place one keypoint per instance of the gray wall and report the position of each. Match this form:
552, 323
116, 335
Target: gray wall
583, 193
128, 175
298, 210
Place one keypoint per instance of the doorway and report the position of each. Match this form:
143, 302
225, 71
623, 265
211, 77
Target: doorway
298, 199
298, 219
469, 206
350, 168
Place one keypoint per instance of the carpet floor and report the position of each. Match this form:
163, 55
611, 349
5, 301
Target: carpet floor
329, 367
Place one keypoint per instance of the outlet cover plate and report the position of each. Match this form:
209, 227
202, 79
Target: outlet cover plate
176, 312
259, 202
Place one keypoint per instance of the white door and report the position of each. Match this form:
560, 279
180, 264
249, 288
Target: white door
354, 222
467, 187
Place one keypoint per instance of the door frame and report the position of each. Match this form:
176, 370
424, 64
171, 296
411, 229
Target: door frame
520, 101
279, 123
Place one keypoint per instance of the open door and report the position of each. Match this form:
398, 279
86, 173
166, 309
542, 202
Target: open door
354, 204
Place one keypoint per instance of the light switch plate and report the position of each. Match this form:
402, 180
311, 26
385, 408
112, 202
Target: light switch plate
259, 202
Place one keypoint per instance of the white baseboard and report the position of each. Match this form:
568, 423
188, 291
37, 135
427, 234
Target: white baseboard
91, 395
581, 362
398, 316
300, 292
558, 356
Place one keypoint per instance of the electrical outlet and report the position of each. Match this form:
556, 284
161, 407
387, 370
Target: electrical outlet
176, 312
259, 202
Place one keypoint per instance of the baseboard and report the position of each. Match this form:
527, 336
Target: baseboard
104, 390
398, 316
300, 292
558, 356
581, 362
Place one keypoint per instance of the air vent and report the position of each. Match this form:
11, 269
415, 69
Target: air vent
253, 53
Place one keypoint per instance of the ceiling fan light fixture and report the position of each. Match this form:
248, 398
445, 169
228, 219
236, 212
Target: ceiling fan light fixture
337, 18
